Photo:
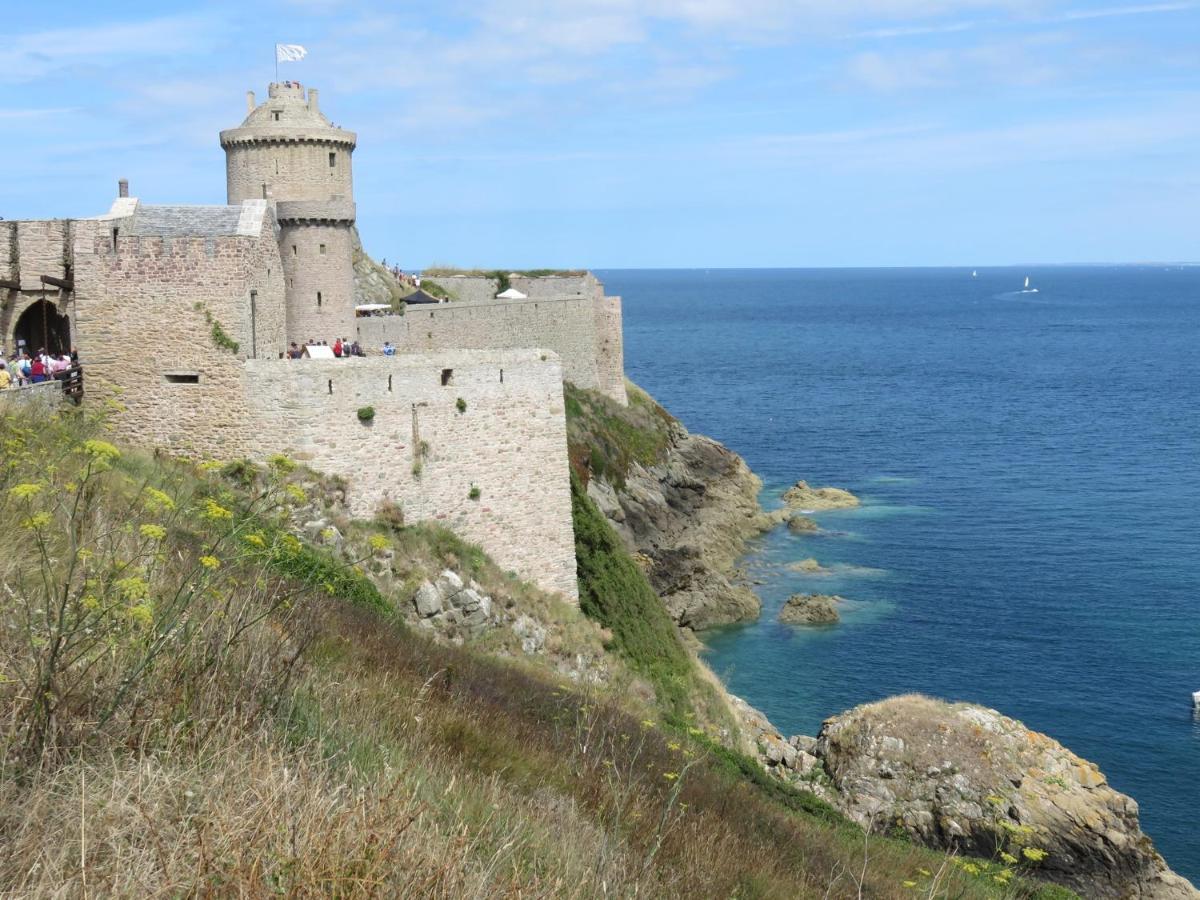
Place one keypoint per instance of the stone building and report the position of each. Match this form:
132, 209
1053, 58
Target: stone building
187, 312
287, 152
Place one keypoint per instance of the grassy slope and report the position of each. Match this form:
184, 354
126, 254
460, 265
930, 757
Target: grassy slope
288, 734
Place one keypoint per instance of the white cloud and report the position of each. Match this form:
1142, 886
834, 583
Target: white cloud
27, 57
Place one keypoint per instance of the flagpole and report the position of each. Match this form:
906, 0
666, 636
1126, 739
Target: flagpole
277, 64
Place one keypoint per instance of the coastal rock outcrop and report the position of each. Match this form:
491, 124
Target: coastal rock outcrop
801, 496
687, 516
811, 609
965, 777
798, 524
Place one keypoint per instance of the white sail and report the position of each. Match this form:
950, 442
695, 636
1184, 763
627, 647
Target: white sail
1026, 282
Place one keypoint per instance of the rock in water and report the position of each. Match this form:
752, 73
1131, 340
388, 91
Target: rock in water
966, 777
810, 609
798, 524
801, 496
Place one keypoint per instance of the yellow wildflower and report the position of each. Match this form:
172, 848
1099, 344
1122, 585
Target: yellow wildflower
296, 493
36, 521
153, 532
210, 562
670, 776
142, 614
214, 510
909, 884
378, 542
1033, 854
25, 491
1007, 857
647, 723
157, 499
101, 450
255, 540
133, 588
210, 465
281, 463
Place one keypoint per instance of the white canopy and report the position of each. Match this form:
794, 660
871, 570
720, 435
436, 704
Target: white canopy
512, 294
372, 307
318, 351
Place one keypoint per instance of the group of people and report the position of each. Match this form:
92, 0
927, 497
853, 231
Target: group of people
401, 276
21, 369
342, 348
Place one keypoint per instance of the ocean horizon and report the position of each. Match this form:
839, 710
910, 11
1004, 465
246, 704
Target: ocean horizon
1029, 530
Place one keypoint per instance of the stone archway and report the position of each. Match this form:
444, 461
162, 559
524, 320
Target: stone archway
43, 326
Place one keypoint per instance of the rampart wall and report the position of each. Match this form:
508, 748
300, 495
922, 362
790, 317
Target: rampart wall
145, 315
426, 454
584, 331
29, 250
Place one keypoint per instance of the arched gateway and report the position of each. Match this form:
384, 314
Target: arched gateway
43, 326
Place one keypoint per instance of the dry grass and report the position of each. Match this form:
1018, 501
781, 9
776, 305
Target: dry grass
285, 741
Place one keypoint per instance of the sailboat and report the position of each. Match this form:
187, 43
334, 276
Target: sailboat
975, 274
1028, 289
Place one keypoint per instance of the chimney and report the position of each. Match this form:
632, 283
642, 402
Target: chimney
249, 102
312, 100
123, 187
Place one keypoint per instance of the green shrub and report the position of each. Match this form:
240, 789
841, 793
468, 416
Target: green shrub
366, 413
461, 405
615, 592
474, 493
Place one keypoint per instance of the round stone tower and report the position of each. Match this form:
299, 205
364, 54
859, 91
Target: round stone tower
287, 152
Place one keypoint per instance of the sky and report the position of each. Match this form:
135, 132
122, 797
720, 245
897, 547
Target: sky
647, 133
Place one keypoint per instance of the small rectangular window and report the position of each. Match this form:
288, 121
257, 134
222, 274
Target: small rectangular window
447, 374
318, 299
182, 377
295, 252
322, 249
275, 115
332, 160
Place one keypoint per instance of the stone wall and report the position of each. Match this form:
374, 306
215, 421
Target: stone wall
48, 394
143, 327
578, 329
318, 263
426, 454
482, 289
29, 250
289, 169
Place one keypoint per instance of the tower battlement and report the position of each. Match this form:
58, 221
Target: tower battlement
288, 153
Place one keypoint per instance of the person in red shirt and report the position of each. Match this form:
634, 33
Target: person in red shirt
37, 370
337, 348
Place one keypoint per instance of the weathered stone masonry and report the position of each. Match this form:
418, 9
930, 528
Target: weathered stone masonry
423, 452
186, 312
585, 331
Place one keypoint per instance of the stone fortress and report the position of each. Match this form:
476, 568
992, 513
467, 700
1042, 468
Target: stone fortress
187, 313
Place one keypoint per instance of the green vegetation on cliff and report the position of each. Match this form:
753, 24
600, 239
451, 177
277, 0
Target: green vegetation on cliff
605, 438
615, 592
194, 700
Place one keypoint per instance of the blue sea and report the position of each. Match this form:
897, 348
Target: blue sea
1029, 465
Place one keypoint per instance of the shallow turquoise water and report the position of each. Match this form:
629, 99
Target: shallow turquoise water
1030, 537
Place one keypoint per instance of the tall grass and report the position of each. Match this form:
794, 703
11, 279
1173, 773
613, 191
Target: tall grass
173, 727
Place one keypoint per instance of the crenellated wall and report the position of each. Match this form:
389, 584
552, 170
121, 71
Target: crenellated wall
146, 309
584, 331
426, 451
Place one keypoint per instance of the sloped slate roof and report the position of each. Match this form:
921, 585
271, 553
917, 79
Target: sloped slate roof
186, 221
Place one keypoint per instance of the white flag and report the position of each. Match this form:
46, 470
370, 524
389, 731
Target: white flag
289, 52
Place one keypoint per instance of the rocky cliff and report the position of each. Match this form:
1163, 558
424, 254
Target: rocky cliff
682, 503
963, 777
372, 282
